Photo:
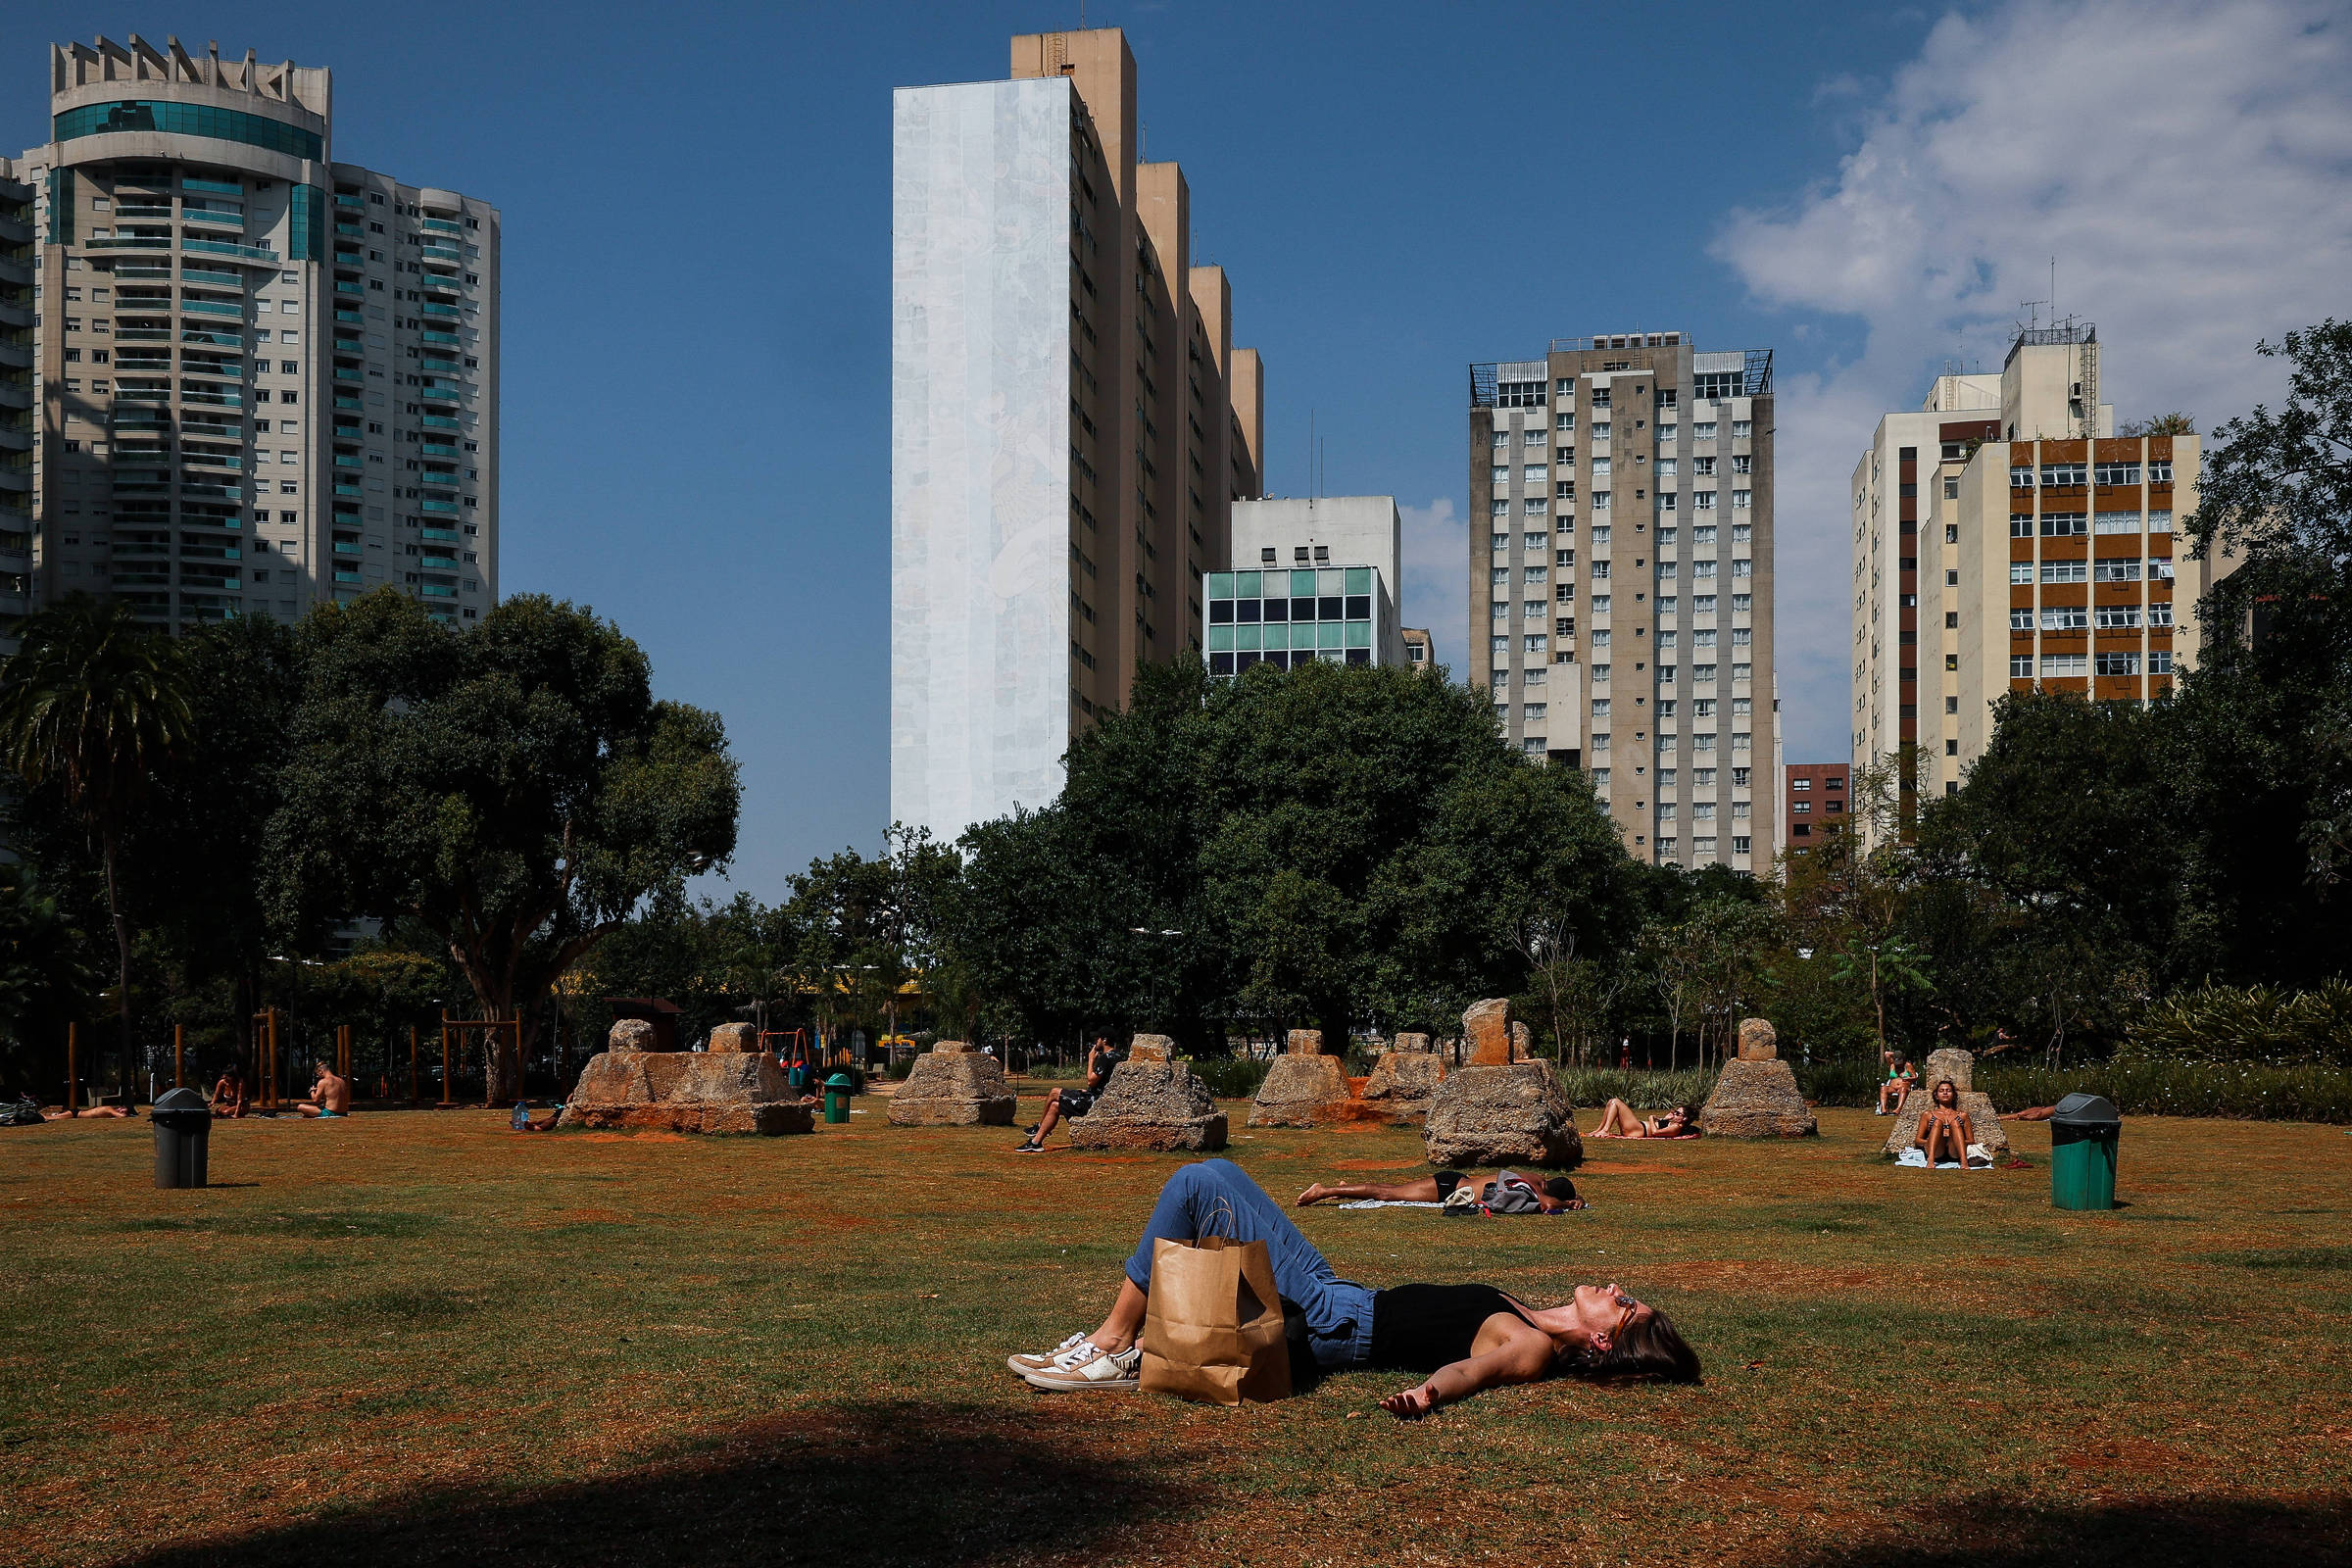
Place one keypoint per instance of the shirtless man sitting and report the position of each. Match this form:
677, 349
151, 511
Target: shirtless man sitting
1552, 1196
329, 1096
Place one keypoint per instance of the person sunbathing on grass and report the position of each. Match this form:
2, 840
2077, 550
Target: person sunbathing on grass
1617, 1120
1552, 1196
1465, 1337
1943, 1126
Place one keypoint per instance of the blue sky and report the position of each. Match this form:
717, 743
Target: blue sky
696, 206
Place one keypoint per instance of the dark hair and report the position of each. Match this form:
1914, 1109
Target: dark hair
1689, 1114
1559, 1187
1650, 1346
1946, 1083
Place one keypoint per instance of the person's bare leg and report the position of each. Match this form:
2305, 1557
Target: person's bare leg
1421, 1190
1045, 1124
1617, 1119
1126, 1320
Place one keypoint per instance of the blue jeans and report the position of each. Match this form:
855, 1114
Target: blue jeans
1215, 1199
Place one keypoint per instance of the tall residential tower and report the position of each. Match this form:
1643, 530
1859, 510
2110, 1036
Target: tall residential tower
1070, 423
1621, 583
267, 379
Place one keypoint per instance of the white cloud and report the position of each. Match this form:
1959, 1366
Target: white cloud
1437, 594
2189, 164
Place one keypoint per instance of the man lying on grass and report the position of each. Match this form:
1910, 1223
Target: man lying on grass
1552, 1196
1465, 1337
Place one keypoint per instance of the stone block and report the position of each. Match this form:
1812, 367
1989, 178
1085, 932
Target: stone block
1501, 1113
685, 1091
1758, 1041
1305, 1042
1487, 1032
1151, 1048
1403, 1083
1947, 1062
1152, 1106
1756, 1097
1297, 1089
733, 1040
1411, 1041
955, 1087
1984, 1123
1523, 1043
630, 1034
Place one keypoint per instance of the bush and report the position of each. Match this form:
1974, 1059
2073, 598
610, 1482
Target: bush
1230, 1077
2256, 1026
2147, 1087
1644, 1090
1838, 1083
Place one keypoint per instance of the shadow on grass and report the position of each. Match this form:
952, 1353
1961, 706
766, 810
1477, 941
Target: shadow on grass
862, 1485
2148, 1533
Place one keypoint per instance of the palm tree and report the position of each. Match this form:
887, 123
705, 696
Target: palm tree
92, 704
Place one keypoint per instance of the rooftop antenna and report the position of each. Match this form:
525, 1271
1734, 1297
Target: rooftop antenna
1311, 457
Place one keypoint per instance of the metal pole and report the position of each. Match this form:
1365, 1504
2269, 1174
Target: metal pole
180, 1055
445, 1085
72, 1069
412, 1063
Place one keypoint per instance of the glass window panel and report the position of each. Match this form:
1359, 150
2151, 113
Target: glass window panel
1359, 634
1220, 663
1328, 609
1280, 660
1359, 579
1220, 610
1302, 610
1243, 660
1246, 638
1245, 585
1220, 638
1331, 580
1331, 634
1302, 583
1244, 609
1278, 610
1359, 655
1220, 585
1360, 606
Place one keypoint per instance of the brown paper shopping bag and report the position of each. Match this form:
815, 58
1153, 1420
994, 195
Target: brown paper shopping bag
1212, 1330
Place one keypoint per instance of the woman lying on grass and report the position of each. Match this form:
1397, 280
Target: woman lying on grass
1556, 1196
1617, 1120
1465, 1337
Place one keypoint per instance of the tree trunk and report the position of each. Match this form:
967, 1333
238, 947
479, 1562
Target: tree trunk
114, 909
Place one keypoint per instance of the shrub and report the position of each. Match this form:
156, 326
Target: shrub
1644, 1090
2155, 1087
1838, 1083
2255, 1025
1230, 1077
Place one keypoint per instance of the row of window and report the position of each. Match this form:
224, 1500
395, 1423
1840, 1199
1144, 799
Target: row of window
2062, 665
2074, 525
1702, 845
2105, 617
1535, 435
2071, 475
2107, 568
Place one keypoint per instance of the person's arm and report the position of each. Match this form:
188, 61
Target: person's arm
1525, 1358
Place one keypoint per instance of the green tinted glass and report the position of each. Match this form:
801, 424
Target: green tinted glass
1245, 585
187, 119
1359, 579
1244, 638
1359, 634
1303, 585
1220, 639
1220, 585
1328, 634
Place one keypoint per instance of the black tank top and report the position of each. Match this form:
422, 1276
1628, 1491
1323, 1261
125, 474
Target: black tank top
1420, 1328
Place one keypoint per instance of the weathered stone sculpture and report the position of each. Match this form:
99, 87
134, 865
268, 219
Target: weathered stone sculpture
952, 1085
1984, 1123
1303, 1085
682, 1091
1153, 1101
630, 1034
1756, 1095
733, 1040
1499, 1110
1405, 1081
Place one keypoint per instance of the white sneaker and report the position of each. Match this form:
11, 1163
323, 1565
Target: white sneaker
1043, 1359
1091, 1369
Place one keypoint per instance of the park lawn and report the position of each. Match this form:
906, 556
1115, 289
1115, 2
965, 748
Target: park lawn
420, 1337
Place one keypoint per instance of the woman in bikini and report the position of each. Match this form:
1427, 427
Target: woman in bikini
1464, 1337
1901, 1076
1943, 1126
1617, 1120
1553, 1195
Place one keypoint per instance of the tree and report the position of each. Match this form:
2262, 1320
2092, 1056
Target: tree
512, 787
94, 706
1882, 969
42, 977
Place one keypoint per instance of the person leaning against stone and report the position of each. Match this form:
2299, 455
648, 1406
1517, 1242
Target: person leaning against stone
1063, 1103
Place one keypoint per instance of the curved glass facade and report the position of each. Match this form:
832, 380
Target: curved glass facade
188, 120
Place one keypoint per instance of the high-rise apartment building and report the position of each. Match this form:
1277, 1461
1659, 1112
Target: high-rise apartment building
268, 379
2005, 538
1621, 583
1070, 423
1818, 800
1313, 578
20, 393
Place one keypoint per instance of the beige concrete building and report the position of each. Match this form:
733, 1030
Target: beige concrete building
20, 395
2005, 538
1621, 615
268, 379
1070, 423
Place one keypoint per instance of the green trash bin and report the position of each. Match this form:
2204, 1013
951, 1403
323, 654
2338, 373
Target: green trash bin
2085, 1131
836, 1097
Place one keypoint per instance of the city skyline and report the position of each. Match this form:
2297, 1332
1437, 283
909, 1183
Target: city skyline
723, 500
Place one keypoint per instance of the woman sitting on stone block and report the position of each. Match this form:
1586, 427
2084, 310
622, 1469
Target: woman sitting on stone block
1467, 1336
1617, 1120
1900, 1077
1943, 1127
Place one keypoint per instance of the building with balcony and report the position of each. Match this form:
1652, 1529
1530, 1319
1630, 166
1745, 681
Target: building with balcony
2005, 539
267, 379
19, 394
1070, 423
1621, 613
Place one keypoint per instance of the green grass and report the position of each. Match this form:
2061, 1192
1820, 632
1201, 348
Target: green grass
420, 1337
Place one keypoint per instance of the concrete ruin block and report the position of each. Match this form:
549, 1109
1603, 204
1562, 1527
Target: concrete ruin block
1152, 1106
1487, 1032
1959, 1067
686, 1091
952, 1085
1404, 1082
1501, 1113
1523, 1043
1151, 1048
733, 1040
1298, 1089
1756, 1097
1758, 1041
630, 1034
1305, 1042
1410, 1042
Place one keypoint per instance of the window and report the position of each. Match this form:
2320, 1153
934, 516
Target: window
2056, 475
1741, 429
1600, 705
2021, 476
2116, 663
2065, 618
2020, 572
1502, 543
1952, 488
2065, 664
1503, 438
2021, 667
2021, 620
2115, 473
1600, 429
2063, 525
1744, 464
1537, 642
2160, 521
1601, 571
2020, 526
1600, 397
1500, 576
1564, 424
1497, 508
1666, 469
1704, 534
1536, 506
1951, 533
1703, 500
2160, 615
1503, 712
1741, 604
2115, 522
1534, 436
1501, 473
2160, 470
1500, 609
2159, 661
1740, 499
1534, 543
2064, 570
1600, 535
1600, 467
1531, 711
2118, 568
1531, 573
